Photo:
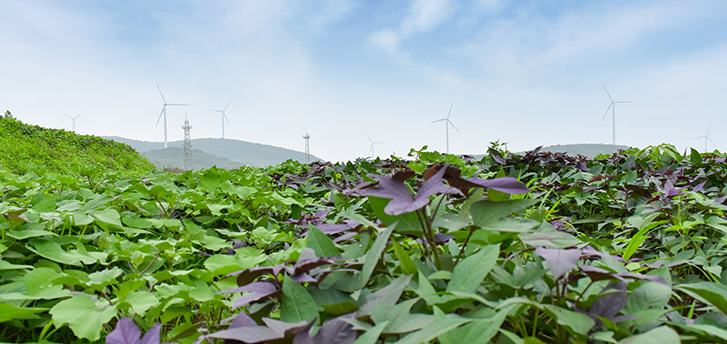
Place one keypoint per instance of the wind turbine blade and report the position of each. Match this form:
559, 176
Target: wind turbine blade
228, 104
160, 116
622, 101
160, 92
450, 110
710, 126
216, 110
606, 114
372, 141
79, 114
609, 94
439, 120
710, 140
178, 104
66, 115
452, 124
225, 116
698, 137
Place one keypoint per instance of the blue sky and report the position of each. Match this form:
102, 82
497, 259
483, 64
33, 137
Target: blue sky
527, 73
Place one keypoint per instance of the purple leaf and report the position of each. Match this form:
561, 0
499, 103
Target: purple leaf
248, 275
274, 330
303, 278
310, 264
560, 261
330, 228
508, 185
242, 320
126, 332
336, 331
402, 201
256, 287
608, 305
260, 290
152, 335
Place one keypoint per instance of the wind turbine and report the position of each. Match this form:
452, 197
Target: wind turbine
706, 137
447, 124
612, 107
224, 117
164, 113
372, 146
74, 118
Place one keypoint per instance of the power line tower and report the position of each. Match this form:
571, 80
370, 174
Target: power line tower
306, 136
188, 164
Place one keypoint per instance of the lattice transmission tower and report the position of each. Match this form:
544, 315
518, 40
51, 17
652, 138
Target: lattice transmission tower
306, 137
188, 163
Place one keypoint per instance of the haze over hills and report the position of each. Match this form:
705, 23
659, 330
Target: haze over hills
223, 153
590, 150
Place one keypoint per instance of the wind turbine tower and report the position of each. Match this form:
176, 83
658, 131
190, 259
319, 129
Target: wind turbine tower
447, 124
371, 150
306, 137
74, 119
188, 163
612, 107
224, 117
706, 138
164, 113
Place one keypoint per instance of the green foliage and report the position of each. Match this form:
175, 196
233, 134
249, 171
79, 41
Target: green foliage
32, 148
624, 248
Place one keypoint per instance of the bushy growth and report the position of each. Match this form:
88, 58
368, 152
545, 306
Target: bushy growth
533, 248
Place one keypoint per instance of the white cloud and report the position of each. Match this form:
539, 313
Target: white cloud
424, 15
386, 40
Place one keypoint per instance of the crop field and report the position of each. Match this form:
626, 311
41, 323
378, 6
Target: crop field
432, 248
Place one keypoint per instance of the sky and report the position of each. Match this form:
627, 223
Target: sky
524, 73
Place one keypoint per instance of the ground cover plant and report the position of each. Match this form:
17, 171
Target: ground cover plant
533, 248
30, 147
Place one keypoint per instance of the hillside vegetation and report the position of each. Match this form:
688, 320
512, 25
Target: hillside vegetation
27, 147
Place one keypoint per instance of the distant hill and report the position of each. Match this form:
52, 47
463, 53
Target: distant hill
590, 150
174, 157
223, 153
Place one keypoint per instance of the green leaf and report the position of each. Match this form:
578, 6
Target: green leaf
470, 272
400, 318
646, 296
405, 263
141, 301
371, 336
659, 335
82, 315
486, 212
434, 330
695, 158
426, 291
9, 312
579, 323
296, 304
384, 297
108, 216
373, 256
321, 243
478, 331
708, 292
333, 302
549, 238
5, 265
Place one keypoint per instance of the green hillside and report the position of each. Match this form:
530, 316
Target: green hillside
27, 147
241, 152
